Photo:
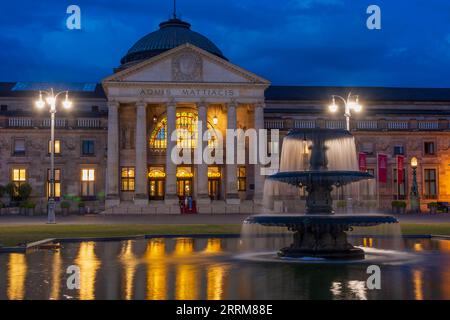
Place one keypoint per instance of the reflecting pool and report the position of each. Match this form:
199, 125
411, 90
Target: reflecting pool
202, 268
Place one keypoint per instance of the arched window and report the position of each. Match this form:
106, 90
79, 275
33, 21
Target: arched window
186, 124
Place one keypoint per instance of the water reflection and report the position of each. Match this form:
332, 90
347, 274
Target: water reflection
417, 275
418, 247
156, 270
351, 290
183, 247
56, 275
368, 242
129, 262
215, 282
17, 273
187, 268
358, 289
88, 264
213, 246
186, 286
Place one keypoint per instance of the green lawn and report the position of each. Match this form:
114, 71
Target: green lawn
12, 235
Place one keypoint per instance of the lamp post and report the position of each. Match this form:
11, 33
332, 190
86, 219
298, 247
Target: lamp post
414, 194
51, 100
351, 103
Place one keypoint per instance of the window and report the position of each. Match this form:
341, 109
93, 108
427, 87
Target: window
19, 147
57, 146
88, 183
368, 148
4, 107
399, 150
57, 184
19, 177
186, 124
242, 179
429, 148
399, 189
87, 148
127, 177
430, 179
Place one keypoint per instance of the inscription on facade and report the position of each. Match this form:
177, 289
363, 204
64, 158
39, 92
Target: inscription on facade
218, 93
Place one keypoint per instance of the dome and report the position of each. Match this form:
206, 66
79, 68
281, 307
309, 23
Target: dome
171, 34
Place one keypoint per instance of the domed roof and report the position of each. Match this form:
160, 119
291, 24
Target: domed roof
171, 34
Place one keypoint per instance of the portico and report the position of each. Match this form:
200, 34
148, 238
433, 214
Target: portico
179, 89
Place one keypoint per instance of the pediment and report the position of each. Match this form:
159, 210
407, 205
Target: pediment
186, 64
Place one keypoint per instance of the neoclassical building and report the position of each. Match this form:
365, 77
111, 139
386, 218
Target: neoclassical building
112, 147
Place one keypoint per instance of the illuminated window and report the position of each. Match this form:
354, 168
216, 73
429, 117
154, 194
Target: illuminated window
128, 178
242, 178
57, 183
430, 179
88, 182
19, 147
19, 176
57, 146
186, 124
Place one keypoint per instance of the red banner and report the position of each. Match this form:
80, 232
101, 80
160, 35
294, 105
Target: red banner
400, 168
382, 160
362, 160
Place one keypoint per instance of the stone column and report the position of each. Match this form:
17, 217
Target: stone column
202, 169
112, 192
259, 179
171, 168
232, 196
141, 194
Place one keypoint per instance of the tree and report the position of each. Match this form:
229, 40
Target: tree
11, 190
25, 190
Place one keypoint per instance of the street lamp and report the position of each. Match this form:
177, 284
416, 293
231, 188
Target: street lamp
215, 120
51, 100
414, 194
351, 103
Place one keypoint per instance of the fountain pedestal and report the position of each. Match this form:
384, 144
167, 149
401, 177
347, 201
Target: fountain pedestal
321, 241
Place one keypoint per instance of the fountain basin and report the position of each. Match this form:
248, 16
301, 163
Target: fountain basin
288, 220
338, 178
321, 236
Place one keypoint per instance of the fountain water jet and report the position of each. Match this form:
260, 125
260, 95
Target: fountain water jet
320, 232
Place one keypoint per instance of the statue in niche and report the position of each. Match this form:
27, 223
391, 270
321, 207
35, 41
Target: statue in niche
413, 145
443, 144
127, 138
70, 144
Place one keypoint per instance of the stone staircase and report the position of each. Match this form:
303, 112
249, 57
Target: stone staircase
159, 207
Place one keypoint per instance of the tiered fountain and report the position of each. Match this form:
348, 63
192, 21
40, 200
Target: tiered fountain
320, 233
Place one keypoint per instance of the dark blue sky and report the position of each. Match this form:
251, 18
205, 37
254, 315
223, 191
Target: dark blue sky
295, 42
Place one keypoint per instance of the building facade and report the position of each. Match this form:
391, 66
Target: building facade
111, 148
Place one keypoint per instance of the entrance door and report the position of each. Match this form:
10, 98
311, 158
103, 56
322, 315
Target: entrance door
157, 183
156, 189
213, 189
184, 188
